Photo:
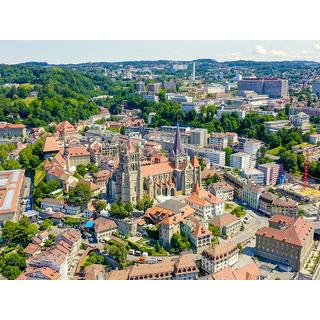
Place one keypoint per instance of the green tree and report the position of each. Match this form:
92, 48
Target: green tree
238, 211
46, 224
179, 242
228, 152
118, 251
80, 195
101, 205
19, 232
11, 272
145, 203
81, 169
214, 230
212, 179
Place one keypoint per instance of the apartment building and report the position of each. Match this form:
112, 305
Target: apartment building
254, 175
215, 157
301, 120
103, 229
219, 257
206, 204
271, 172
287, 241
236, 182
241, 160
251, 194
222, 190
218, 141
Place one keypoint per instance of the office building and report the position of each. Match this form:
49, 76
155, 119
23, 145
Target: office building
273, 87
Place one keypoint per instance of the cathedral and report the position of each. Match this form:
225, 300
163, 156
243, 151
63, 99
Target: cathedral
132, 180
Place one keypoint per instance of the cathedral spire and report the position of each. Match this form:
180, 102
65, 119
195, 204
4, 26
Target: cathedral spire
177, 146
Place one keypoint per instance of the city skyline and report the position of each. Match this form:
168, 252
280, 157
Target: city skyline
65, 52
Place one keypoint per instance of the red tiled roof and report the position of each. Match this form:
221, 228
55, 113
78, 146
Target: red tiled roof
296, 234
50, 145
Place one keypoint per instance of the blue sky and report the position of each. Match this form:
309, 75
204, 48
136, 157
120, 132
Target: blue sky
85, 51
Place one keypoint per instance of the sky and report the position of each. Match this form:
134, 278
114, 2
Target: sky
61, 52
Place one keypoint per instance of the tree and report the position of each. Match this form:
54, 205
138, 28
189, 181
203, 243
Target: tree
19, 232
216, 232
92, 168
94, 258
11, 265
80, 195
101, 205
81, 169
238, 211
202, 163
289, 161
228, 152
11, 164
145, 203
118, 251
120, 210
212, 179
46, 224
179, 242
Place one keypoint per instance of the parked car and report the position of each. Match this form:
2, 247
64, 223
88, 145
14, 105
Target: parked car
138, 253
132, 252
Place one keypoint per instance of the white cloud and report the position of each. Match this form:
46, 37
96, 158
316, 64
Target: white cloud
260, 50
316, 46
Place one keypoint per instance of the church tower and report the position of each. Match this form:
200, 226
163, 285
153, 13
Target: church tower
177, 154
66, 152
131, 181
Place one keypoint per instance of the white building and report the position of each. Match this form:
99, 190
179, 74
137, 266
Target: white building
216, 157
219, 257
301, 120
205, 203
241, 160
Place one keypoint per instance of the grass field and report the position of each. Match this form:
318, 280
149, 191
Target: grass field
274, 151
39, 174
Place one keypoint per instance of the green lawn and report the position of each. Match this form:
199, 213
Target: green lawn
274, 151
39, 174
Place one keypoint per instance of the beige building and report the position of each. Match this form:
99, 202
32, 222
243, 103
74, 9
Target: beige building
287, 241
251, 194
270, 204
218, 257
182, 268
229, 224
104, 228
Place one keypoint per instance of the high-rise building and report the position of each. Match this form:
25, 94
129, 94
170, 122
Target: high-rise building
240, 160
199, 137
193, 75
273, 87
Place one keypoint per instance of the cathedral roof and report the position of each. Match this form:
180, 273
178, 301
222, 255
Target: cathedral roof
156, 169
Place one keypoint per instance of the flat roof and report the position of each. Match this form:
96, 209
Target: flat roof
10, 187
